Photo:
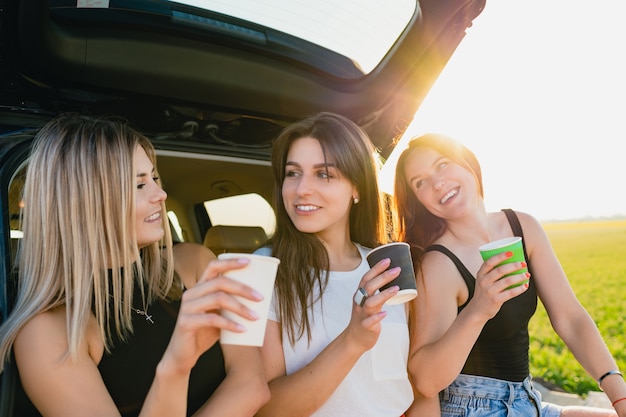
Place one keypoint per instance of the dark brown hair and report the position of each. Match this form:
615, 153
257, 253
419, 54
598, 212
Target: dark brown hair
415, 224
304, 260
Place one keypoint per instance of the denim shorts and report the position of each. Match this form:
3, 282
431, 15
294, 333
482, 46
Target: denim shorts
476, 396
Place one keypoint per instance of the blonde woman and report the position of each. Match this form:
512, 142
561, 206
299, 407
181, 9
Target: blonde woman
110, 320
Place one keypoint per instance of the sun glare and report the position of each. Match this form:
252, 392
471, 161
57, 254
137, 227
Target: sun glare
538, 98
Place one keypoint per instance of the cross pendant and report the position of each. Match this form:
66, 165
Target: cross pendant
144, 313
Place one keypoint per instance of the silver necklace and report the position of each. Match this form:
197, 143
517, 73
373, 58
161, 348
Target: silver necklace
144, 313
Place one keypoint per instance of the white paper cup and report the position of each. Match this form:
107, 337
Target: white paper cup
259, 274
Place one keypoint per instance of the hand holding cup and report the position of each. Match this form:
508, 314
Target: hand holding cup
509, 244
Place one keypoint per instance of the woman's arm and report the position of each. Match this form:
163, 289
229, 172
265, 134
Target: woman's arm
306, 390
568, 317
56, 385
190, 261
422, 406
444, 339
245, 388
61, 386
198, 327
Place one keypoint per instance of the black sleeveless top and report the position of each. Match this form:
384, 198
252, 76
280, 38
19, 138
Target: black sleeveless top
128, 370
501, 350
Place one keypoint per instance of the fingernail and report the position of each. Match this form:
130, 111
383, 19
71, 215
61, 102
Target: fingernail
509, 254
240, 327
257, 295
527, 274
243, 261
253, 314
524, 264
526, 285
395, 269
386, 261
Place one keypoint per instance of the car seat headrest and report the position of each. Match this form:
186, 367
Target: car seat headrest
246, 239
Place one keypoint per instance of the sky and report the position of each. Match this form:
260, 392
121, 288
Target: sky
537, 89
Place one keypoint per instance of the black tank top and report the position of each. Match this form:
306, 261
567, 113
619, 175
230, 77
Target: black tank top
128, 370
501, 350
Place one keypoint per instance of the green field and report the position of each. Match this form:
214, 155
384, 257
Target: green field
593, 255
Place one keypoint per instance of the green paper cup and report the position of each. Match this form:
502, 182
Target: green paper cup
509, 244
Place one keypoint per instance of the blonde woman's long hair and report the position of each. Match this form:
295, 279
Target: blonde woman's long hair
79, 224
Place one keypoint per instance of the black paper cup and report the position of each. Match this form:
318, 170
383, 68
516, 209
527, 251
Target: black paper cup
400, 255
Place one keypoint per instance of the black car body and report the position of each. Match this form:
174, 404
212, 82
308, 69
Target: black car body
209, 89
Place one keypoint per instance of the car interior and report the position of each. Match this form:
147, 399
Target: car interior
211, 88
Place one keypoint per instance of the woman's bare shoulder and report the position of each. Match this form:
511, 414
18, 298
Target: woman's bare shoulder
524, 218
438, 264
50, 323
189, 250
190, 261
46, 335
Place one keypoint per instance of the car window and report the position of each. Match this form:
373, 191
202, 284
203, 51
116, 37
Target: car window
177, 231
363, 31
16, 186
242, 210
360, 31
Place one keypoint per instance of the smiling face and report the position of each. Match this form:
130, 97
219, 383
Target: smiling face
316, 196
443, 187
149, 197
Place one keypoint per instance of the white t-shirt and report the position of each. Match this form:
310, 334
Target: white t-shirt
378, 384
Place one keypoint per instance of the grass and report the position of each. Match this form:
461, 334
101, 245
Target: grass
593, 255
